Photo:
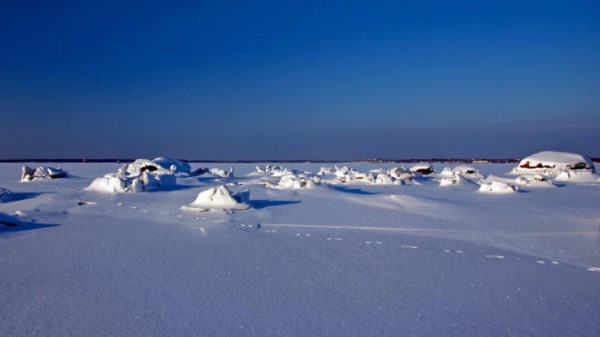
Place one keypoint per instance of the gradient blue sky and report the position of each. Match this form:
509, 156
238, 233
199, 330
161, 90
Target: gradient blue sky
239, 80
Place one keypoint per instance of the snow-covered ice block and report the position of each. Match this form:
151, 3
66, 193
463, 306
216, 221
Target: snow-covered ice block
219, 198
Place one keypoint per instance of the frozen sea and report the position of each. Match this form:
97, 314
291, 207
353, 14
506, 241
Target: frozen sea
335, 260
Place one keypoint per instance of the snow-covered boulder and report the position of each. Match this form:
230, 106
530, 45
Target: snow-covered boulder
423, 169
550, 163
141, 175
499, 187
219, 198
4, 194
42, 173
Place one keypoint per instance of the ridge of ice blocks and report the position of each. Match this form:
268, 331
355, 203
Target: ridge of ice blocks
222, 173
293, 182
141, 175
499, 187
273, 170
534, 181
42, 173
468, 171
219, 198
4, 194
551, 163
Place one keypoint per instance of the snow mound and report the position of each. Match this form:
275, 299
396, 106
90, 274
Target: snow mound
550, 163
4, 194
219, 198
42, 173
499, 187
141, 175
424, 169
174, 165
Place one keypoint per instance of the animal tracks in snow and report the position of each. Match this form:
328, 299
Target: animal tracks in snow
277, 228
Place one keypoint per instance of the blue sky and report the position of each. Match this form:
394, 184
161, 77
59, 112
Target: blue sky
229, 80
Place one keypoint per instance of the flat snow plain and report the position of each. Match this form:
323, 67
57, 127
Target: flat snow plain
360, 260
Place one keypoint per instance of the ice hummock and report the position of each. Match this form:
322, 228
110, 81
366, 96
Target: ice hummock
42, 173
219, 198
141, 175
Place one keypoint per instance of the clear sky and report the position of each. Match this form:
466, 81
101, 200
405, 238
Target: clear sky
239, 80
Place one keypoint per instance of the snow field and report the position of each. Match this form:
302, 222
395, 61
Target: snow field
337, 259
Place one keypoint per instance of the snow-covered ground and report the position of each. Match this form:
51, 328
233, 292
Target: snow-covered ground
372, 256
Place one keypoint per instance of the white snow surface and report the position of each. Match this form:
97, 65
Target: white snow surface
336, 260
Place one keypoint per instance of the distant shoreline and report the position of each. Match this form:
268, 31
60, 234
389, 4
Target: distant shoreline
126, 160
383, 161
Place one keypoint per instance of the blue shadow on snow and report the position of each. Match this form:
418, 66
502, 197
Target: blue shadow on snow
260, 204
